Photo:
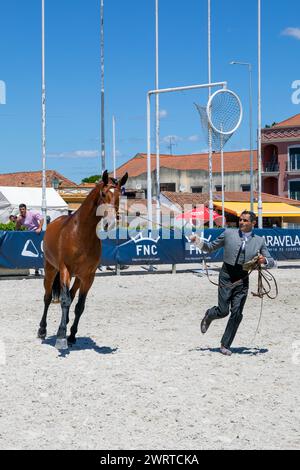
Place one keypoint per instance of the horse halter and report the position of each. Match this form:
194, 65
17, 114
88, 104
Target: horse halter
109, 205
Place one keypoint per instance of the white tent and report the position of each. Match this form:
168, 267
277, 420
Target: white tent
11, 197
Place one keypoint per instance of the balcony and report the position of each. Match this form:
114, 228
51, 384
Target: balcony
292, 170
295, 195
271, 169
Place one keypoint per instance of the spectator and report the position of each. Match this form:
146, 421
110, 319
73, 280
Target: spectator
32, 220
13, 218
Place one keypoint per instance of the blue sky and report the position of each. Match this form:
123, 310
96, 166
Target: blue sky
73, 74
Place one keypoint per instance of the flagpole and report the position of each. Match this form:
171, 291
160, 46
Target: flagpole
157, 127
102, 85
222, 180
259, 204
114, 145
211, 207
44, 183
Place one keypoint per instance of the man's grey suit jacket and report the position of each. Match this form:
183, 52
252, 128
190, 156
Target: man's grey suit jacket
231, 240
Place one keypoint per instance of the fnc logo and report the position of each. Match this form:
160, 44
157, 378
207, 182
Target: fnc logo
145, 246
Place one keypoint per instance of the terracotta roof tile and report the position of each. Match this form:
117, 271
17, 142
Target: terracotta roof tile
233, 162
34, 179
293, 121
140, 205
238, 196
86, 185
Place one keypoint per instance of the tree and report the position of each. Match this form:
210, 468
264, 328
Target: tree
91, 179
267, 126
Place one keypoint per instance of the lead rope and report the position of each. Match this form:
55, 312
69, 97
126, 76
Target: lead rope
263, 289
264, 284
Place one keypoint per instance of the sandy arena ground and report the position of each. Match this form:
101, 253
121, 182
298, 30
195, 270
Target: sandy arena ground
142, 376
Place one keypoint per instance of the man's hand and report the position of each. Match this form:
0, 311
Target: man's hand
261, 260
38, 230
199, 242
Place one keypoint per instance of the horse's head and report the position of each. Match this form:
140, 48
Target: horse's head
109, 196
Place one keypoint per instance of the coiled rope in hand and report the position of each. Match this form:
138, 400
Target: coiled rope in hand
266, 283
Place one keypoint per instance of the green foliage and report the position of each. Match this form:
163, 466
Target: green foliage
10, 226
91, 179
267, 126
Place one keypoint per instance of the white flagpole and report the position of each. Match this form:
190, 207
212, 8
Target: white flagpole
102, 84
157, 127
44, 201
222, 180
259, 204
211, 207
114, 145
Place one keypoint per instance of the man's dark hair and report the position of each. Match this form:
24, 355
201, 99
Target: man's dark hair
252, 215
22, 205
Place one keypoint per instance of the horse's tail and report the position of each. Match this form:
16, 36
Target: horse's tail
56, 289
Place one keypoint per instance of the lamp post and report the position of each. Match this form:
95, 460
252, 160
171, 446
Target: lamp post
247, 64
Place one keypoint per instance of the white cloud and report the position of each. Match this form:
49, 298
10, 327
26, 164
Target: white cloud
193, 138
293, 32
76, 154
163, 113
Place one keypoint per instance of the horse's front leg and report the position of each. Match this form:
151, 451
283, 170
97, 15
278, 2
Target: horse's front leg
50, 273
83, 291
66, 300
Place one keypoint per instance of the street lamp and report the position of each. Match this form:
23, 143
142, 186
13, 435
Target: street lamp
247, 64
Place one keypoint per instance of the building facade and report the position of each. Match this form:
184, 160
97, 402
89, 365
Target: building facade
281, 158
189, 173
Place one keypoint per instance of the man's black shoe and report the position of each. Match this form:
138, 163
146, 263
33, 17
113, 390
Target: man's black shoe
205, 323
225, 351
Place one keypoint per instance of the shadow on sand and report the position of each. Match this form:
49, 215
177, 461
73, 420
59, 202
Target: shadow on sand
82, 344
242, 350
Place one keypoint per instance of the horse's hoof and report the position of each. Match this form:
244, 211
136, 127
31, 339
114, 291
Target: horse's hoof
42, 334
71, 340
61, 343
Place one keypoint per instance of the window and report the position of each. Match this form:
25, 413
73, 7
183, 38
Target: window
295, 190
197, 189
130, 194
168, 187
246, 187
294, 158
219, 187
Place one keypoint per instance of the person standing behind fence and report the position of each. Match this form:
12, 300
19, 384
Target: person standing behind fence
12, 219
31, 220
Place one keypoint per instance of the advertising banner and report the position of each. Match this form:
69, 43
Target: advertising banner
25, 249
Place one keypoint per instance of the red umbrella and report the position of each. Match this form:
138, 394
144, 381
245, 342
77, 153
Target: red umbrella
201, 213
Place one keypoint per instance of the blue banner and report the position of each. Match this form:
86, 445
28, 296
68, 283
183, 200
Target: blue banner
25, 249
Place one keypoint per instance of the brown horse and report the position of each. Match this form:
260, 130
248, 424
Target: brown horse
72, 249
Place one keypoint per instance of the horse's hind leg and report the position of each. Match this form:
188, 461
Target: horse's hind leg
61, 341
84, 288
50, 273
